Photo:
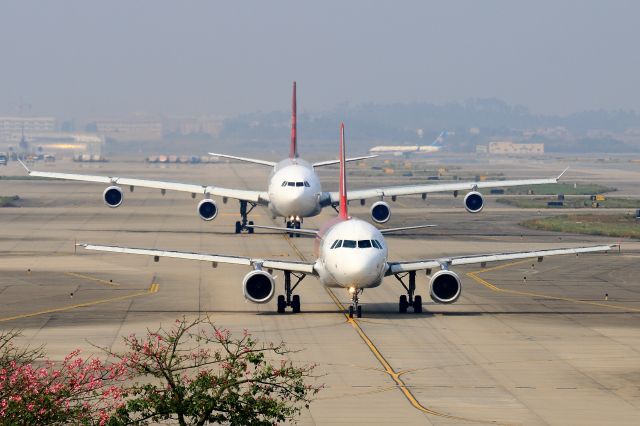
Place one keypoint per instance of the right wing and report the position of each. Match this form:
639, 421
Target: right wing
259, 197
446, 262
330, 162
245, 159
281, 265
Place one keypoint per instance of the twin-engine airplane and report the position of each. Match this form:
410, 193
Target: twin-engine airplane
351, 254
293, 191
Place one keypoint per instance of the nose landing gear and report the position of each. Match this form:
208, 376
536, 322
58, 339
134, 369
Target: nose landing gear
355, 306
409, 300
241, 225
293, 223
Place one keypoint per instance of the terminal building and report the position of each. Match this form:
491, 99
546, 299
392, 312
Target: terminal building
511, 148
12, 128
130, 130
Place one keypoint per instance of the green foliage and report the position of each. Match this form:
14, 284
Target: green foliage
9, 201
559, 188
612, 225
571, 203
196, 373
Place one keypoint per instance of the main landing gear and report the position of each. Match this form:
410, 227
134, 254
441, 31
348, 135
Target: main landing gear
293, 223
409, 300
355, 306
241, 225
290, 299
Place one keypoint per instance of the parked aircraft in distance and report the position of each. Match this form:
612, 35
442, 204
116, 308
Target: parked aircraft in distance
351, 254
407, 150
293, 189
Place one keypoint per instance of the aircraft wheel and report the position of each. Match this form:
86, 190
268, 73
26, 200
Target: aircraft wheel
417, 305
295, 304
281, 304
251, 229
403, 305
359, 311
297, 226
350, 311
238, 227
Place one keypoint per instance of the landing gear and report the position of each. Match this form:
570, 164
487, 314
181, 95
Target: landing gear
241, 225
355, 303
294, 223
409, 299
290, 299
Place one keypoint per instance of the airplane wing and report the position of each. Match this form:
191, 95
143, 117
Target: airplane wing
260, 197
281, 265
445, 262
245, 159
385, 231
312, 232
392, 191
330, 162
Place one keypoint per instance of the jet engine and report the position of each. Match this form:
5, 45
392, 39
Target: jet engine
445, 287
113, 196
474, 202
258, 286
380, 212
207, 209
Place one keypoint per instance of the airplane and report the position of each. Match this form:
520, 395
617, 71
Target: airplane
293, 189
351, 254
406, 150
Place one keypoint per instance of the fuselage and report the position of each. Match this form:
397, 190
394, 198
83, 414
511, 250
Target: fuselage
294, 189
351, 254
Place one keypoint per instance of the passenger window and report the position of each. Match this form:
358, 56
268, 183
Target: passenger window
306, 184
284, 183
291, 183
299, 184
349, 244
364, 244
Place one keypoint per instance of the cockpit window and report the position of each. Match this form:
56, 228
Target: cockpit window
284, 183
291, 183
299, 184
349, 244
336, 244
364, 244
376, 244
306, 184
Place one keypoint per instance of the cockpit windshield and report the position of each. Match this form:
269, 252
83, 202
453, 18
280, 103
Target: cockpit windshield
356, 244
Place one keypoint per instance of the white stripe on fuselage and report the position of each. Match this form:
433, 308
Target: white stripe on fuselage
294, 200
356, 267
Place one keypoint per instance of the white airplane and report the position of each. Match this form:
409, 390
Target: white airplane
351, 254
406, 150
293, 190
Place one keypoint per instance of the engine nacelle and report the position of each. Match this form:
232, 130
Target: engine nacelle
474, 202
380, 212
445, 287
207, 209
258, 286
113, 196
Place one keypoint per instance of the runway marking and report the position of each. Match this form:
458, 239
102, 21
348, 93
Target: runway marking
153, 288
87, 277
490, 286
382, 360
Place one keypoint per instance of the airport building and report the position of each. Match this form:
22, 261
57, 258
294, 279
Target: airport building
130, 130
508, 147
11, 128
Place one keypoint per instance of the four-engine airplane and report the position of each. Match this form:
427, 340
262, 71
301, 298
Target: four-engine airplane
293, 190
351, 254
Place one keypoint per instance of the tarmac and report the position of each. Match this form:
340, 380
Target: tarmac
527, 343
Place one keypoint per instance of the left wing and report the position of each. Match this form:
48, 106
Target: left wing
446, 262
330, 162
392, 191
281, 265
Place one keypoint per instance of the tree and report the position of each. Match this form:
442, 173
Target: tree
75, 391
197, 373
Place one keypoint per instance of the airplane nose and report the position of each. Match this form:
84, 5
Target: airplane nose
362, 270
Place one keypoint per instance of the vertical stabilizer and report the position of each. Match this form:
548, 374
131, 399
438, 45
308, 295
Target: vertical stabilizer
344, 214
293, 151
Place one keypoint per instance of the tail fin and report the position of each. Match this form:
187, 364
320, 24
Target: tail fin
293, 151
440, 139
344, 214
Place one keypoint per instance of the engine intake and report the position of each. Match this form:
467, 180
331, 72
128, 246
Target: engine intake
380, 212
207, 209
474, 202
113, 196
258, 286
445, 287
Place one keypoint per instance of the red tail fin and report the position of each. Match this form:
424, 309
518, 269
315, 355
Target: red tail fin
344, 214
293, 151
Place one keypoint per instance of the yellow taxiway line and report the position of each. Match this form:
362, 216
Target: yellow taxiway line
87, 277
493, 287
153, 288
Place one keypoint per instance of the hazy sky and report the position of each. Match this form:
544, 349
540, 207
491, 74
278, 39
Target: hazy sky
84, 58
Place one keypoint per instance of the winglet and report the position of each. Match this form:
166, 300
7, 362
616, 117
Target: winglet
293, 150
560, 175
25, 166
344, 214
